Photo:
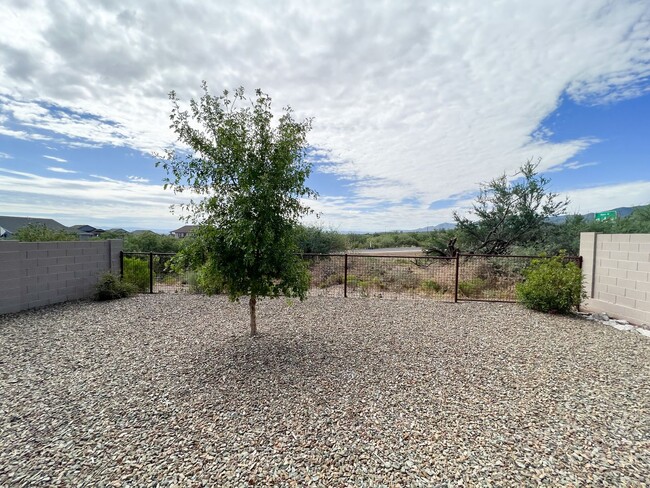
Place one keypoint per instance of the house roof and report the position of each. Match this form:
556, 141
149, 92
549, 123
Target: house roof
185, 229
83, 228
12, 224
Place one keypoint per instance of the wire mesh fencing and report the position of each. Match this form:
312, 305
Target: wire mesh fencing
401, 277
460, 278
494, 278
327, 274
152, 273
355, 275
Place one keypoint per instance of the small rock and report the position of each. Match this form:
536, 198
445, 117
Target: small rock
618, 326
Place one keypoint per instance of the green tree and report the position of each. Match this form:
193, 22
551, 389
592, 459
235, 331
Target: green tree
561, 237
313, 239
638, 222
251, 176
111, 234
40, 233
508, 213
441, 243
151, 242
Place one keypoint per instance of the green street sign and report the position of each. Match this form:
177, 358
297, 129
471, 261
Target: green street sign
606, 215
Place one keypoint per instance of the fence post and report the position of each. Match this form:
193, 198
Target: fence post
150, 272
121, 265
456, 280
345, 276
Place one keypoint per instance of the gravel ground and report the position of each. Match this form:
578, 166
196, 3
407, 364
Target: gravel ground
169, 390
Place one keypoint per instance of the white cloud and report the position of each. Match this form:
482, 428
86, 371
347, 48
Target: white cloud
105, 201
54, 158
415, 101
4, 155
138, 179
572, 165
56, 169
605, 197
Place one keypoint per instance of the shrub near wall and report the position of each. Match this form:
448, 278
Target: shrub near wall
551, 285
136, 272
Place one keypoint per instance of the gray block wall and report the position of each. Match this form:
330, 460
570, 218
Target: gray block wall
616, 268
34, 274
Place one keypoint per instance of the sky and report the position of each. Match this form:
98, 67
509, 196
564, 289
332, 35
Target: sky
415, 103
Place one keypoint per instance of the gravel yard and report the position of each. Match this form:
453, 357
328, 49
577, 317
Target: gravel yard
169, 389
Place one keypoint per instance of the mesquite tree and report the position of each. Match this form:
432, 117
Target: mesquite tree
509, 213
249, 176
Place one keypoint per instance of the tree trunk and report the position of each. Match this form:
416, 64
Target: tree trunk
251, 304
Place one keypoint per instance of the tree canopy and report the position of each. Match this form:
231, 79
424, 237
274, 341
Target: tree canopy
508, 213
40, 233
247, 178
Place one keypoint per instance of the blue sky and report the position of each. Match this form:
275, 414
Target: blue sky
414, 103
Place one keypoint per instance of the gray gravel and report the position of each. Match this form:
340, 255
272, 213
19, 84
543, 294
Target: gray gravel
169, 390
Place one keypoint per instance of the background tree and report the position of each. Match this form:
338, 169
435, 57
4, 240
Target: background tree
311, 239
441, 243
509, 213
148, 241
40, 233
251, 176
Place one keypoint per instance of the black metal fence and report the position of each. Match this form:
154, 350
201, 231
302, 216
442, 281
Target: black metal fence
380, 276
463, 277
151, 272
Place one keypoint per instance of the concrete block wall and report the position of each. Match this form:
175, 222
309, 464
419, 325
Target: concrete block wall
34, 274
617, 274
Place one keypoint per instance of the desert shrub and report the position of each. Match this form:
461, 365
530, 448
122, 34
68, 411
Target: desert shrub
136, 272
406, 280
353, 280
110, 287
551, 285
189, 278
320, 241
40, 233
151, 242
432, 286
207, 280
473, 287
332, 280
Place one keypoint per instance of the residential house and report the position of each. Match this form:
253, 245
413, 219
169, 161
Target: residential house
86, 231
183, 231
9, 225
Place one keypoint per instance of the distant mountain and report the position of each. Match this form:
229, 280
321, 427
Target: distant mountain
622, 212
443, 226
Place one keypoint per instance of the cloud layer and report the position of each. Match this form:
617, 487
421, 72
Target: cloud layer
415, 103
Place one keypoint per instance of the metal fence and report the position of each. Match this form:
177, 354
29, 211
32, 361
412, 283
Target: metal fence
379, 276
151, 272
460, 278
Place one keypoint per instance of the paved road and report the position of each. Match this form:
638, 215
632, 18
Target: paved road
414, 251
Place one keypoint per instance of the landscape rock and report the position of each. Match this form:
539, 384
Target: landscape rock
169, 390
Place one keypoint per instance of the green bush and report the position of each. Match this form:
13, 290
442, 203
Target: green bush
40, 233
433, 287
473, 287
136, 272
551, 285
151, 242
319, 241
332, 280
206, 280
110, 287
